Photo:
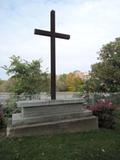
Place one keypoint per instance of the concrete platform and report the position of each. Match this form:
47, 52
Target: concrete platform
49, 117
71, 126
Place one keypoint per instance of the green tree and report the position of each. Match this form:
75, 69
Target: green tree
27, 77
105, 75
2, 85
61, 83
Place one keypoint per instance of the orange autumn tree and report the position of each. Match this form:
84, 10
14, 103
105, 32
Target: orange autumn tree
74, 83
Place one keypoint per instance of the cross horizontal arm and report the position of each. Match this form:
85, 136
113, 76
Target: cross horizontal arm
42, 32
48, 33
63, 36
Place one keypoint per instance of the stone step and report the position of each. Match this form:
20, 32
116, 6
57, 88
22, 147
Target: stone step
50, 110
62, 126
18, 120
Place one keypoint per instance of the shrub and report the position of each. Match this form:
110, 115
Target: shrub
104, 110
2, 120
10, 107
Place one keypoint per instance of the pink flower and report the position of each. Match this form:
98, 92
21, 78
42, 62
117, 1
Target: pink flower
102, 104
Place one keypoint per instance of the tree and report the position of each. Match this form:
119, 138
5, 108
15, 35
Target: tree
2, 85
61, 83
105, 75
74, 83
69, 82
27, 77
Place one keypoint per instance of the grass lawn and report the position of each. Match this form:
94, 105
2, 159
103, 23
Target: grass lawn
94, 145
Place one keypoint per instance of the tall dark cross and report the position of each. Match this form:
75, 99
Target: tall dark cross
52, 34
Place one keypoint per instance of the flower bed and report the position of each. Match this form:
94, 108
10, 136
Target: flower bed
104, 110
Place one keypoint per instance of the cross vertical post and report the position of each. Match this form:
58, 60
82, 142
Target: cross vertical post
53, 56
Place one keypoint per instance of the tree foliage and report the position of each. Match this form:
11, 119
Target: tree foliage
26, 77
62, 83
74, 83
105, 75
2, 85
69, 82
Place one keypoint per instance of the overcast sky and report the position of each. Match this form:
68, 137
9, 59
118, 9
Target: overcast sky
90, 23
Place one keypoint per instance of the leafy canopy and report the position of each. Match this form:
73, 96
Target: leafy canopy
27, 77
69, 82
105, 75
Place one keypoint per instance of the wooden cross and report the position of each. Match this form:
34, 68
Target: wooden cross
52, 34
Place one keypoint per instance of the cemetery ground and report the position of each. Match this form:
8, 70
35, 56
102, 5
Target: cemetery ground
102, 144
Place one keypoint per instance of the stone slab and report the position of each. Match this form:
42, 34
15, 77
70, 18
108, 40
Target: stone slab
48, 102
17, 119
72, 125
47, 110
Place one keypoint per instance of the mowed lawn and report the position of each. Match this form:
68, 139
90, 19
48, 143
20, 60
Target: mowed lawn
95, 145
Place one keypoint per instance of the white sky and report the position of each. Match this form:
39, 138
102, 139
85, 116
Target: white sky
90, 23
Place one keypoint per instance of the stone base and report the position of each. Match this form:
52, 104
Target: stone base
51, 117
72, 125
17, 118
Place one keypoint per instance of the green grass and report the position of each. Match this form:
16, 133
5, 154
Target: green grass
95, 145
